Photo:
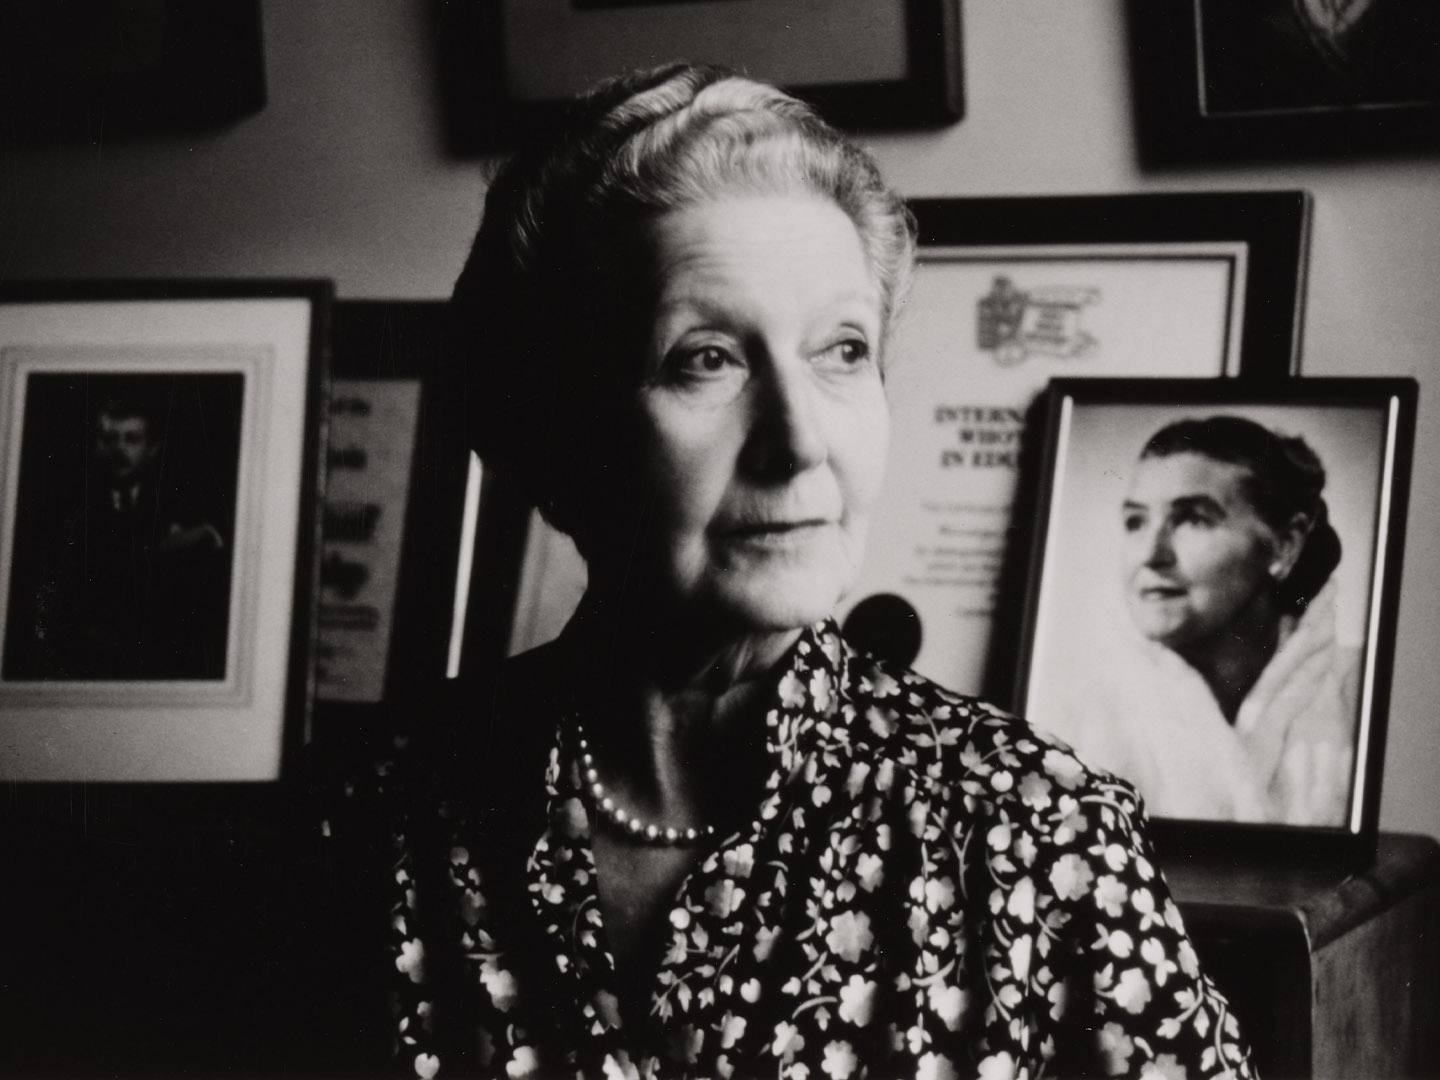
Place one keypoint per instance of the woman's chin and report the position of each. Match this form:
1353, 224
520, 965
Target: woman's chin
1174, 638
774, 606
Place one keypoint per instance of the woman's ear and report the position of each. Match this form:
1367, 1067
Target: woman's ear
1289, 542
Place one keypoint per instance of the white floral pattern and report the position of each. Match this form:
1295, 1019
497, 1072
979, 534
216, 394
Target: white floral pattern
964, 899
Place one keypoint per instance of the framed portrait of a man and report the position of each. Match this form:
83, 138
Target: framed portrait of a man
1213, 592
158, 468
124, 547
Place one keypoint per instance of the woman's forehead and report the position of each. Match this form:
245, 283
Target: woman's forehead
1170, 477
758, 237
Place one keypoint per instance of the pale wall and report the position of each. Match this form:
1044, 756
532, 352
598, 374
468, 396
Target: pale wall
343, 176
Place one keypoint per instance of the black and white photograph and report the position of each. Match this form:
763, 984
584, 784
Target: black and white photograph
159, 449
719, 539
125, 527
1211, 593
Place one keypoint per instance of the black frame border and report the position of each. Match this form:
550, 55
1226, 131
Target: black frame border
479, 118
1174, 129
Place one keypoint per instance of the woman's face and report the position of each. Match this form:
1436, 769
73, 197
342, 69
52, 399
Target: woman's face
763, 418
1196, 555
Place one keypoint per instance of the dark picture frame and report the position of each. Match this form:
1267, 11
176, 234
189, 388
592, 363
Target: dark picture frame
1111, 563
156, 607
460, 522
507, 67
1010, 292
1219, 80
101, 69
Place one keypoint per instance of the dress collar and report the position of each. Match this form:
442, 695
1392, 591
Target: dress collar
804, 703
803, 716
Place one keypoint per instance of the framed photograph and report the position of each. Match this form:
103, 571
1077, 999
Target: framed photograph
158, 478
1010, 293
508, 65
1214, 590
1227, 79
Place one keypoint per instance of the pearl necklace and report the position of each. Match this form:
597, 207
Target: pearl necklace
623, 819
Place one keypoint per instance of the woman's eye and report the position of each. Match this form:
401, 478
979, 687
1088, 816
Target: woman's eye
1194, 517
706, 362
1132, 523
846, 353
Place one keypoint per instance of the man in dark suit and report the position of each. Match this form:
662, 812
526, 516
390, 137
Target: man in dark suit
136, 585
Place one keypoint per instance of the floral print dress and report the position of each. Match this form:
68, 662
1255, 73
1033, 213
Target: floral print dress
929, 888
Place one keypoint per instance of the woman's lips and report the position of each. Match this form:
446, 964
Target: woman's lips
1161, 592
771, 533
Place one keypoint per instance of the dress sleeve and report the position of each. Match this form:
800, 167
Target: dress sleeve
1141, 1005
412, 998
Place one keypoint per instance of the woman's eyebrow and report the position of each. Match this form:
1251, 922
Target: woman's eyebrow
1199, 501
694, 303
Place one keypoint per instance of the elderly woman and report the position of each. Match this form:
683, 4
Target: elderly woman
697, 835
1237, 702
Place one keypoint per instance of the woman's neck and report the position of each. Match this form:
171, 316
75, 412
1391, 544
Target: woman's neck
674, 650
674, 712
675, 721
1232, 661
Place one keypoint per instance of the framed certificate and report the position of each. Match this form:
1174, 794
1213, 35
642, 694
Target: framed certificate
1010, 293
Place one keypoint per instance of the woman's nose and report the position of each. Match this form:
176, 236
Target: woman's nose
1158, 550
787, 436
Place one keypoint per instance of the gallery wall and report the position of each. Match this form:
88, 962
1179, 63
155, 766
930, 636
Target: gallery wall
344, 175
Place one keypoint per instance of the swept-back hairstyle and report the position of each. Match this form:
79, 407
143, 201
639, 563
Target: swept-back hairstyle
545, 313
1283, 477
131, 406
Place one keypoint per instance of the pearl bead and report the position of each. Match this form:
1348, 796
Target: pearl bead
622, 818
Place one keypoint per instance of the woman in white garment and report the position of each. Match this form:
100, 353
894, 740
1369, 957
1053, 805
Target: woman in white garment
1235, 701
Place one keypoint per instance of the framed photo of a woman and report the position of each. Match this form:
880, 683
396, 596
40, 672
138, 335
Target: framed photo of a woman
1213, 591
